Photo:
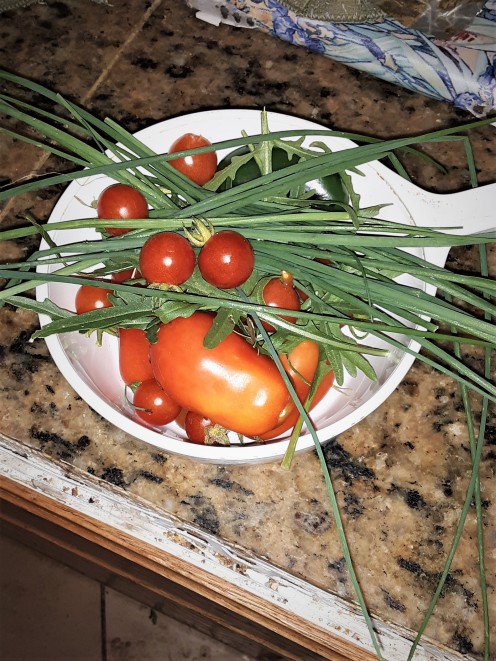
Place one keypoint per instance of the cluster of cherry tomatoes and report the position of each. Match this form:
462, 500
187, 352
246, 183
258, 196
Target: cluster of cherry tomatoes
257, 404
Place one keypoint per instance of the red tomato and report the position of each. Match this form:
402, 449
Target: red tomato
160, 407
90, 298
121, 201
195, 425
199, 168
232, 384
302, 360
226, 260
122, 276
134, 356
167, 258
203, 431
280, 293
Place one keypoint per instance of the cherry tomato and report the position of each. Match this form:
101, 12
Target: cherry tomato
167, 258
122, 276
280, 293
226, 260
121, 201
160, 407
203, 431
232, 383
195, 426
302, 361
199, 168
89, 298
134, 356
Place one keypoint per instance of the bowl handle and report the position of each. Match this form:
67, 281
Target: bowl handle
467, 212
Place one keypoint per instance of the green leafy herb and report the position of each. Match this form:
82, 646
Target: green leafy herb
345, 259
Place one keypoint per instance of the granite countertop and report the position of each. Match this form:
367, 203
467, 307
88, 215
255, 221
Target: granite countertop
401, 474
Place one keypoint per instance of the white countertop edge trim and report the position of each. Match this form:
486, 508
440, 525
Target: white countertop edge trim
131, 515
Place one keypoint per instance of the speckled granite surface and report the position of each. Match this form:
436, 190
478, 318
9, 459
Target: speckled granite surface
401, 475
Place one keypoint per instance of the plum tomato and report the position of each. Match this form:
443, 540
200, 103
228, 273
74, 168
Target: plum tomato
134, 356
301, 364
226, 260
167, 258
280, 293
232, 383
121, 201
89, 298
199, 168
160, 408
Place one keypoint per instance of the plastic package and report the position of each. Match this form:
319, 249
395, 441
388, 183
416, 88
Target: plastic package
439, 18
460, 70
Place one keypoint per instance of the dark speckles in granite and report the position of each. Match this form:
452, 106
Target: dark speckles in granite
151, 477
339, 571
159, 458
56, 444
114, 475
462, 643
23, 359
447, 488
144, 62
204, 513
230, 485
452, 584
412, 498
393, 603
314, 519
347, 467
178, 71
353, 506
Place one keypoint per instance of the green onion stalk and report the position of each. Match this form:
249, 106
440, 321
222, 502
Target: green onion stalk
343, 257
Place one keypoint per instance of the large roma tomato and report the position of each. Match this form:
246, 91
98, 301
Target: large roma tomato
302, 361
232, 383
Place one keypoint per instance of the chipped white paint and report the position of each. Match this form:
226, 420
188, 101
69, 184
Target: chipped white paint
131, 515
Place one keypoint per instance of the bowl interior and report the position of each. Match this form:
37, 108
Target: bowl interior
93, 370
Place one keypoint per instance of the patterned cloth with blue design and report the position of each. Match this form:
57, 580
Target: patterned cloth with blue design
459, 69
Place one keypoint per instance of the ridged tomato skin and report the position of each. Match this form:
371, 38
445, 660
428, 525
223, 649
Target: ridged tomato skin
232, 383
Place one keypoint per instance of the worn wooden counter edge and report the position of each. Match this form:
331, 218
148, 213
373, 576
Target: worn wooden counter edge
178, 551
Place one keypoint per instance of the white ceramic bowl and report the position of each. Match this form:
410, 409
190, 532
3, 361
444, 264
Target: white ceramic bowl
93, 371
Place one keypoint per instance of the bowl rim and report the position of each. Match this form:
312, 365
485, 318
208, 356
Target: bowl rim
234, 454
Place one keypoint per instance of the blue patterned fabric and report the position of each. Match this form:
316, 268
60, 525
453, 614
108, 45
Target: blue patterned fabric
461, 70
